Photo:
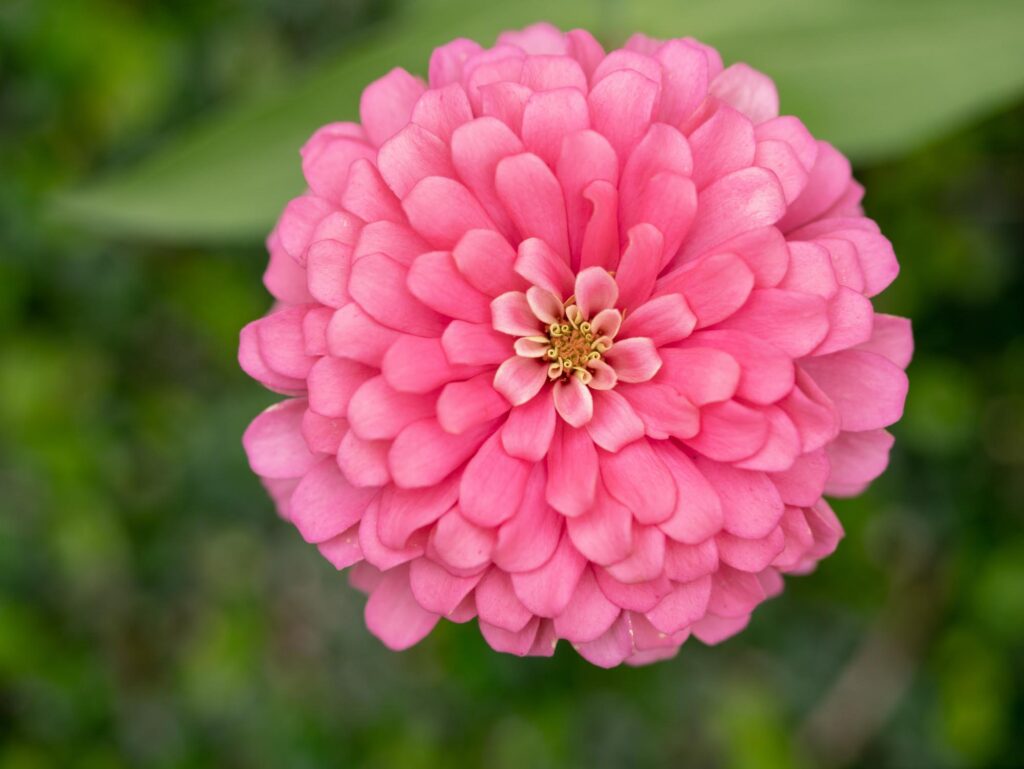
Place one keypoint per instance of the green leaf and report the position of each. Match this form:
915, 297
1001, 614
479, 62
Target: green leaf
875, 78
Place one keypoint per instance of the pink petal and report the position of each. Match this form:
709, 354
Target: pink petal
474, 344
600, 246
442, 211
528, 538
781, 447
417, 365
604, 533
423, 453
647, 559
750, 502
463, 405
669, 202
436, 589
572, 471
528, 431
639, 266
393, 614
378, 285
460, 543
412, 154
638, 478
332, 382
486, 261
386, 104
730, 431
892, 338
634, 360
850, 319
324, 504
663, 410
829, 178
621, 108
546, 591
282, 344
477, 148
436, 281
364, 463
686, 604
297, 223
533, 200
751, 92
779, 158
497, 604
611, 648
685, 563
353, 334
343, 550
328, 265
403, 511
868, 390
684, 80
553, 73
321, 433
584, 157
814, 415
541, 266
511, 314
519, 643
856, 459
274, 443
713, 630
614, 424
792, 321
377, 411
519, 379
573, 400
767, 373
751, 555
368, 197
703, 374
551, 115
588, 614
722, 144
641, 596
446, 61
803, 483
493, 484
442, 110
596, 290
714, 287
734, 593
284, 278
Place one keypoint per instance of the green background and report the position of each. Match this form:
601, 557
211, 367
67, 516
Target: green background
154, 612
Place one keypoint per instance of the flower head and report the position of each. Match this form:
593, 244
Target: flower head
574, 342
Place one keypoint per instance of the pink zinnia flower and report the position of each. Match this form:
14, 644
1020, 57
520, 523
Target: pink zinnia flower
574, 342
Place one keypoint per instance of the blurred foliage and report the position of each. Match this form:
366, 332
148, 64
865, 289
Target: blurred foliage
155, 613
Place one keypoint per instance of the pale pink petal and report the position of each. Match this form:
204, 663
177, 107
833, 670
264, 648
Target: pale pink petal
446, 61
856, 459
703, 374
663, 320
714, 287
415, 364
322, 434
622, 106
713, 630
585, 156
804, 482
686, 604
519, 643
782, 445
412, 154
436, 589
639, 266
519, 379
332, 382
684, 80
353, 334
477, 148
595, 290
368, 197
892, 338
282, 344
634, 360
751, 555
600, 247
364, 463
722, 144
378, 285
511, 314
442, 110
604, 534
343, 550
640, 596
662, 409
573, 401
647, 560
685, 563
486, 261
497, 603
730, 431
767, 372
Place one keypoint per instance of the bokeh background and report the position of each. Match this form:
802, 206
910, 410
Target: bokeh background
154, 612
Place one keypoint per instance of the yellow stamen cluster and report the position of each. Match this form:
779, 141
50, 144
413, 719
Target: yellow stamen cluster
572, 345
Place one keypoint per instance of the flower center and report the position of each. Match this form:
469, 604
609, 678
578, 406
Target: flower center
572, 345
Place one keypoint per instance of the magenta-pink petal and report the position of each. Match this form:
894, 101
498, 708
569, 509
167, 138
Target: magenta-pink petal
750, 555
446, 61
636, 476
518, 643
826, 528
635, 359
528, 538
829, 179
765, 251
416, 364
639, 266
412, 154
751, 92
324, 504
533, 200
684, 80
442, 211
698, 511
662, 409
686, 604
401, 512
282, 344
646, 561
328, 265
799, 540
332, 382
583, 47
600, 246
663, 148
792, 321
792, 132
497, 603
611, 648
326, 158
875, 256
550, 74
442, 110
460, 543
519, 379
585, 156
539, 265
850, 318
284, 278
714, 286
856, 459
685, 563
511, 314
341, 226
505, 102
892, 338
734, 593
615, 423
814, 415
767, 372
640, 596
730, 431
782, 445
712, 630
588, 614
436, 589
378, 284
364, 463
342, 550
423, 453
376, 552
475, 344
466, 404
353, 334
486, 261
572, 471
529, 428
551, 115
547, 590
386, 104
394, 615
622, 106
868, 390
322, 433
297, 223
604, 533
377, 411
595, 290
274, 442
669, 202
574, 401
779, 158
702, 374
368, 197
477, 148
436, 281
804, 482
810, 270
739, 202
722, 144
492, 484
751, 505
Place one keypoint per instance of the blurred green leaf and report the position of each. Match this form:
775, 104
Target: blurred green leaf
874, 77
